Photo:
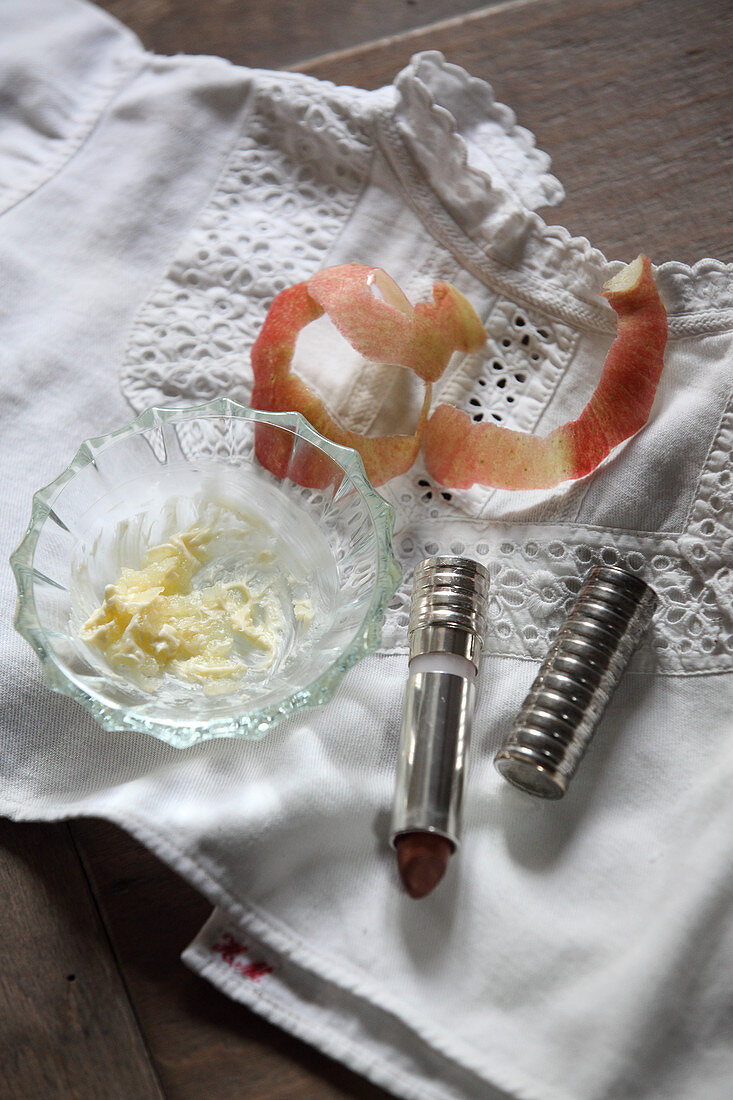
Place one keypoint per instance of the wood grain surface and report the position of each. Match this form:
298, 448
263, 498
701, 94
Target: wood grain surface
276, 33
632, 100
67, 1025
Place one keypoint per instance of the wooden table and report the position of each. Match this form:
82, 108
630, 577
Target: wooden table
632, 100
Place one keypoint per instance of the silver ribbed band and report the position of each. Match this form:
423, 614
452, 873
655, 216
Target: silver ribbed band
449, 607
576, 681
447, 626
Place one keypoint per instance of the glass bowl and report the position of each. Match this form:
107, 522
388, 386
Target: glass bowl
307, 547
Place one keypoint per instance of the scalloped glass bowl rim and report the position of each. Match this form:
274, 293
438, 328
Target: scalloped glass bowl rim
254, 724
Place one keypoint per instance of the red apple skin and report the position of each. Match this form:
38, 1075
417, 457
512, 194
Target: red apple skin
460, 453
423, 340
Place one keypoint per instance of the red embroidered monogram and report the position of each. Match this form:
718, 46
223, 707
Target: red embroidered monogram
231, 951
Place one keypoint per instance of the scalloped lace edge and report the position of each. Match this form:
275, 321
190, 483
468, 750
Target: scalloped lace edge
416, 104
699, 297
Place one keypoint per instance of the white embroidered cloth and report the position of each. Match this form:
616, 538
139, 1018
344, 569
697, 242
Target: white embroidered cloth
152, 207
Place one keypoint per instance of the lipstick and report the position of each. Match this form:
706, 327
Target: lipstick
448, 613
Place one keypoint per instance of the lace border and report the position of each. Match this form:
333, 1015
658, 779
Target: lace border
536, 575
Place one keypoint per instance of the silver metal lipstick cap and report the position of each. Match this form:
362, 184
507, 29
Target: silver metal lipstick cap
447, 626
575, 683
449, 607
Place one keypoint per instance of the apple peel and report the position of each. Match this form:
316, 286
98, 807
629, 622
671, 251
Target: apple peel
460, 453
373, 314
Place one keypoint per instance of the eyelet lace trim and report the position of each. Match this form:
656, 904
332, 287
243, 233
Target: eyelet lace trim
707, 544
441, 110
513, 378
287, 190
537, 572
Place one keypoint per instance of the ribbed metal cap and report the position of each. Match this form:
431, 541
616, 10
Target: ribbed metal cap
449, 607
576, 681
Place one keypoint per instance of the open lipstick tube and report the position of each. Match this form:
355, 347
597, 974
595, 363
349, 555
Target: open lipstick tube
448, 614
